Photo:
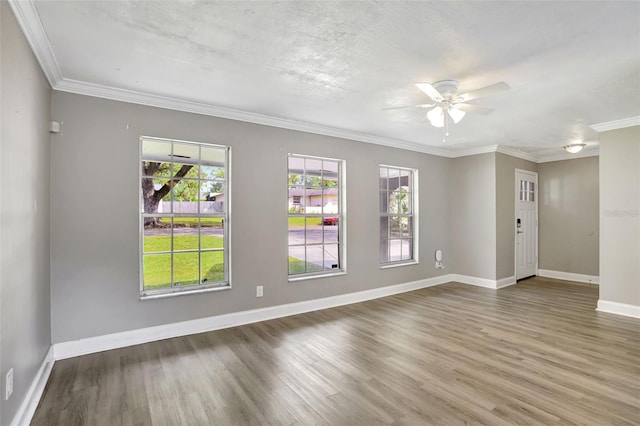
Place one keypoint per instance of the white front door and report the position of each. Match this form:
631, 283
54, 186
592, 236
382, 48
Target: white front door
526, 226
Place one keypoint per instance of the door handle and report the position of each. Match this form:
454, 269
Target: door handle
520, 232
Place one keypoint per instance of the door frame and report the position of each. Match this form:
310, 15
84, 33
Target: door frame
515, 210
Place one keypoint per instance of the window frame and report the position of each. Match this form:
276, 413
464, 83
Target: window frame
225, 216
414, 216
342, 222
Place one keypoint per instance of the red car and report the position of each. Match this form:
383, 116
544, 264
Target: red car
330, 221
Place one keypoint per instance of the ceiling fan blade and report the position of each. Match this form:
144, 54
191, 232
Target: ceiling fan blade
475, 109
410, 106
430, 91
484, 91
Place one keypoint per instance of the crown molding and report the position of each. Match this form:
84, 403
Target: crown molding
474, 151
616, 124
568, 156
124, 95
514, 152
29, 21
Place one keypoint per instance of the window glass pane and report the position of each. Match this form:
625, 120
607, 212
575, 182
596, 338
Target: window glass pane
296, 180
532, 186
330, 230
186, 268
384, 202
212, 266
157, 238
216, 173
184, 195
395, 250
331, 256
213, 156
384, 180
150, 203
296, 165
187, 153
384, 250
211, 233
406, 249
155, 168
212, 197
157, 271
296, 230
397, 226
315, 257
313, 173
297, 260
330, 200
313, 230
156, 150
186, 233
403, 200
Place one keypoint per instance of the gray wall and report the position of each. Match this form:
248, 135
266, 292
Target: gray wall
95, 162
506, 211
473, 215
619, 216
569, 216
25, 335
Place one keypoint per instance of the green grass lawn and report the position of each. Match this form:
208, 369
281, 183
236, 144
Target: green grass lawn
157, 268
299, 221
296, 266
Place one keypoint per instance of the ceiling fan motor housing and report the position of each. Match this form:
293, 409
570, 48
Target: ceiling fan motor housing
447, 88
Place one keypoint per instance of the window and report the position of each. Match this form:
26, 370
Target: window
398, 206
527, 191
184, 199
316, 220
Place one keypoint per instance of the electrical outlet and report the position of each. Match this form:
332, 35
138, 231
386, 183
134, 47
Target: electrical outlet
8, 386
259, 291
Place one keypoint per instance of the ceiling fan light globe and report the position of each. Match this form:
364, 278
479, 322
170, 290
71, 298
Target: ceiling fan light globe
456, 114
436, 117
574, 148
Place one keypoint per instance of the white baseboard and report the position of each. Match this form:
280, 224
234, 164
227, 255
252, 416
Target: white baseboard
479, 282
32, 399
506, 282
569, 276
618, 308
135, 337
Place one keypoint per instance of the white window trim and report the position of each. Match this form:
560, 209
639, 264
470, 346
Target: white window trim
415, 203
342, 223
193, 289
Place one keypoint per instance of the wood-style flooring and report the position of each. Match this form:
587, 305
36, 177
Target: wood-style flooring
533, 353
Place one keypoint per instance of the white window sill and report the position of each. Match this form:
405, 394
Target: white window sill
172, 293
314, 276
398, 264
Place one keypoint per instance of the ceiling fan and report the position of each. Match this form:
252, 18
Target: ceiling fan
447, 103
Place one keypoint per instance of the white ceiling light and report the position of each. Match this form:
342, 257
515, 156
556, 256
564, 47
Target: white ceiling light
456, 114
574, 148
448, 103
436, 117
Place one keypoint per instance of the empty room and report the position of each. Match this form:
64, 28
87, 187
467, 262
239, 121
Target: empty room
319, 212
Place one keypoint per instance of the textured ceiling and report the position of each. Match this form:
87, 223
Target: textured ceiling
338, 64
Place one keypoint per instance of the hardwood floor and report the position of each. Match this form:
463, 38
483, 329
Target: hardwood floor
533, 353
